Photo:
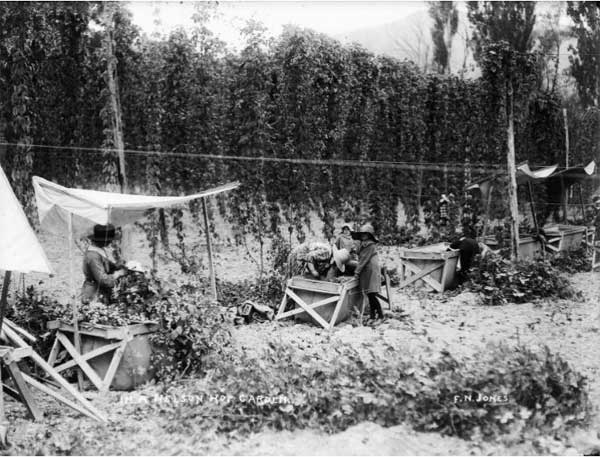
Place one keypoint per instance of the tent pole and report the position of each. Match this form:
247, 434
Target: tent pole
486, 223
211, 269
3, 422
4, 296
533, 215
76, 336
565, 195
582, 204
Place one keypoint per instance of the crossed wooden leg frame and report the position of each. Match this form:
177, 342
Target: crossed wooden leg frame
338, 299
19, 350
81, 360
411, 273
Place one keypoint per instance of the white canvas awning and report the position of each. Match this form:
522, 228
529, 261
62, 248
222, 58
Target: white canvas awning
90, 207
524, 173
20, 249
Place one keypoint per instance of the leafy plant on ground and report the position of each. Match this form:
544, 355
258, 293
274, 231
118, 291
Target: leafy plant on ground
286, 389
574, 261
500, 281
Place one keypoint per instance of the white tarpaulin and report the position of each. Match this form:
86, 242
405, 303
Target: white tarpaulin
525, 174
90, 207
20, 249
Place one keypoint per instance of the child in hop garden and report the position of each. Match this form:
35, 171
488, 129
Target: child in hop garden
368, 271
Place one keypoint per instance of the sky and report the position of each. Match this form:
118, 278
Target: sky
331, 17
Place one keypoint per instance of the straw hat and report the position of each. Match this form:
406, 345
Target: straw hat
340, 257
366, 228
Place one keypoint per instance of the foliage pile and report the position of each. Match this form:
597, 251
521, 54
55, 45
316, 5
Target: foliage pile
191, 325
573, 261
499, 281
32, 311
535, 391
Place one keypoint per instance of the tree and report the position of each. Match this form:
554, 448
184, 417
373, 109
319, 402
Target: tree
444, 27
585, 61
502, 36
493, 22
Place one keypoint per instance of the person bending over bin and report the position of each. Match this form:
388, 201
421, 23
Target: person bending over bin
99, 271
316, 260
468, 248
368, 271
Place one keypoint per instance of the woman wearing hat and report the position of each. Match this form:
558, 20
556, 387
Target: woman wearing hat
345, 241
368, 271
99, 271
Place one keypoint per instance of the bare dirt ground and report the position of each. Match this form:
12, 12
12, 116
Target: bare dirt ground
419, 323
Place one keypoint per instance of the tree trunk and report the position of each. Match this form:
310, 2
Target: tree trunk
512, 174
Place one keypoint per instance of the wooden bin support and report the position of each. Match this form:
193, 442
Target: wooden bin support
564, 237
326, 303
431, 265
103, 349
19, 350
323, 302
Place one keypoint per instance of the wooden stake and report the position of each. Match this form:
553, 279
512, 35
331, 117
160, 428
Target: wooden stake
533, 215
582, 205
211, 269
566, 137
76, 335
565, 191
115, 102
4, 296
512, 174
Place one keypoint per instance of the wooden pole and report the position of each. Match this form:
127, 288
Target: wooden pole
565, 191
3, 421
486, 223
76, 335
4, 296
564, 198
566, 137
582, 204
211, 269
115, 102
533, 215
512, 175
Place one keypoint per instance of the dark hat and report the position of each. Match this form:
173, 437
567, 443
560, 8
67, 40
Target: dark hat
103, 233
346, 226
366, 228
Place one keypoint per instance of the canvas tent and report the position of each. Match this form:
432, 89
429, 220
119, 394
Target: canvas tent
21, 251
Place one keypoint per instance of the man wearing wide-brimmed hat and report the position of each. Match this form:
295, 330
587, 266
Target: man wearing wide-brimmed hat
368, 271
99, 271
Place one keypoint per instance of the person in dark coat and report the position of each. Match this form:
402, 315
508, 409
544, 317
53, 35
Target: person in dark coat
368, 271
99, 271
468, 248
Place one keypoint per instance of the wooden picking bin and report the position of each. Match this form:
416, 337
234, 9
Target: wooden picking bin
432, 266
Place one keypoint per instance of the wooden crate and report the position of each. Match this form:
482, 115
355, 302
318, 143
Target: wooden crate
529, 247
111, 357
564, 237
322, 302
430, 266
